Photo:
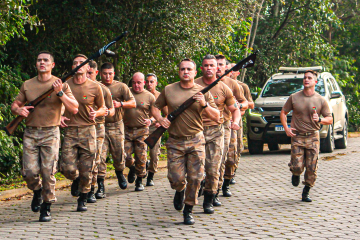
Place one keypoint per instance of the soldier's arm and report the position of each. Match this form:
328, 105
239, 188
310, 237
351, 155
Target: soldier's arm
236, 115
239, 95
18, 108
68, 99
283, 119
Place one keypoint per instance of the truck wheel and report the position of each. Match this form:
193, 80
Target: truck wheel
327, 144
273, 146
342, 142
255, 147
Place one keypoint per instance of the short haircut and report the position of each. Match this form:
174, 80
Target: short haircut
220, 56
93, 64
313, 72
47, 52
188, 60
209, 56
151, 75
80, 55
107, 65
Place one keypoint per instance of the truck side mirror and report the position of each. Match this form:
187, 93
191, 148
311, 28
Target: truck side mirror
335, 94
254, 95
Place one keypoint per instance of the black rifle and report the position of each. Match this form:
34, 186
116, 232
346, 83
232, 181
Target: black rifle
11, 127
154, 137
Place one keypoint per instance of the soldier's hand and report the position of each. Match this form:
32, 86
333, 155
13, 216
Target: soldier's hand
289, 132
199, 97
235, 126
147, 122
57, 85
92, 114
24, 111
62, 121
315, 117
116, 104
165, 123
157, 125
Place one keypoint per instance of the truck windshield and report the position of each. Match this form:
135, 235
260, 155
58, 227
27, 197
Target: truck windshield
286, 87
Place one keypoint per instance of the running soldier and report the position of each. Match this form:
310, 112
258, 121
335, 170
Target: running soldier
41, 139
213, 130
100, 129
151, 83
79, 145
114, 128
307, 106
137, 121
186, 143
228, 160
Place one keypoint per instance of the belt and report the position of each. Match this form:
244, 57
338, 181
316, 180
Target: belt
212, 127
39, 128
113, 124
182, 138
134, 128
306, 134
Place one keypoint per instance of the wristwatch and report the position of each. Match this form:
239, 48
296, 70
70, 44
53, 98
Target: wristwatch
319, 120
121, 104
206, 105
60, 94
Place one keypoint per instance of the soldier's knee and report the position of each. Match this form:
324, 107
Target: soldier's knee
69, 172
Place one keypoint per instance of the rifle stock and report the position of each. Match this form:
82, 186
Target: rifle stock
154, 137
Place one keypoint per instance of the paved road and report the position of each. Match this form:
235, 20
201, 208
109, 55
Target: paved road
265, 205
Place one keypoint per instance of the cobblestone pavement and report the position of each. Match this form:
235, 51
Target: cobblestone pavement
265, 205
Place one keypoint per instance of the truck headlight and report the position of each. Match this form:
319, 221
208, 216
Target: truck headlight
257, 111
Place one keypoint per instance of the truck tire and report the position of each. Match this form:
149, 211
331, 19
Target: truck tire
327, 144
273, 146
255, 147
341, 143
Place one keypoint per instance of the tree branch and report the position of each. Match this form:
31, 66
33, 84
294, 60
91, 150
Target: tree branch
283, 24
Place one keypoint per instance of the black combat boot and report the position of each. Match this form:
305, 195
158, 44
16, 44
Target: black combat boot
150, 179
75, 187
121, 179
188, 218
131, 174
138, 184
208, 202
91, 195
295, 180
226, 188
216, 201
179, 200
201, 190
82, 202
232, 181
305, 194
45, 215
100, 193
36, 201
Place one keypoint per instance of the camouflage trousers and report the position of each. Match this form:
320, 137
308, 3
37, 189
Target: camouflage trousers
100, 136
186, 160
240, 143
305, 154
231, 161
113, 143
227, 135
213, 148
134, 143
78, 155
40, 157
154, 153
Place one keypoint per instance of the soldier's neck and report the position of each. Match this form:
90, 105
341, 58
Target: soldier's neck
209, 81
80, 78
309, 91
187, 84
43, 77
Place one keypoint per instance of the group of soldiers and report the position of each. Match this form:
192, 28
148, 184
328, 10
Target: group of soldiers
203, 148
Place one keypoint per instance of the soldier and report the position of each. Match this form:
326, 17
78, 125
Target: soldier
41, 139
100, 129
79, 145
151, 83
213, 130
114, 128
227, 167
186, 143
307, 106
137, 121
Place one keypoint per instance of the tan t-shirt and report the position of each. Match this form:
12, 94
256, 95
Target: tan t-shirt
189, 122
108, 102
222, 96
302, 107
135, 117
87, 94
48, 112
120, 92
238, 94
247, 92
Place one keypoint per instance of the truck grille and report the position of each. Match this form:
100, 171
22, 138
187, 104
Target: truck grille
276, 119
272, 108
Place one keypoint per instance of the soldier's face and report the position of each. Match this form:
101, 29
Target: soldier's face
187, 71
309, 80
221, 67
234, 74
107, 76
44, 63
77, 61
209, 68
92, 73
151, 83
138, 84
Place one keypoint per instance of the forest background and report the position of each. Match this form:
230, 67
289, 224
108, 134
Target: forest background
287, 33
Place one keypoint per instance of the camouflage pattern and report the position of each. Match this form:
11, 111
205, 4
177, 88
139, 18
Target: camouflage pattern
100, 136
213, 147
230, 162
227, 134
305, 153
40, 157
186, 160
134, 143
113, 143
154, 153
240, 142
78, 155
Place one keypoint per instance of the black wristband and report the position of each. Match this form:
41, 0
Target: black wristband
319, 120
206, 105
121, 103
